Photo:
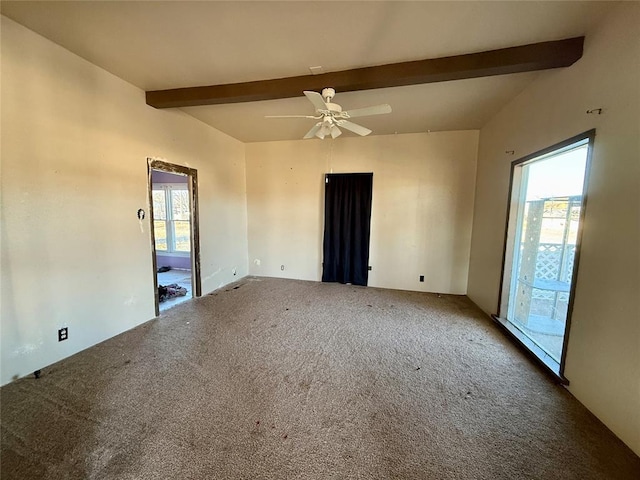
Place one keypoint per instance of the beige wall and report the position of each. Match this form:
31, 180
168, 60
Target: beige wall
75, 142
421, 214
603, 356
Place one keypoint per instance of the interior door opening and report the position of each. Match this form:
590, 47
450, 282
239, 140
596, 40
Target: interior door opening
347, 227
542, 247
173, 200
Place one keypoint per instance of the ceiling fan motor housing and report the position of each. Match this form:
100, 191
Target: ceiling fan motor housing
328, 94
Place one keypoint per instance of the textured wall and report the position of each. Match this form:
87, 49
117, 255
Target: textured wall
421, 213
603, 359
75, 141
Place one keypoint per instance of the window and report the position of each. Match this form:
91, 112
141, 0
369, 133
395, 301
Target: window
541, 252
171, 222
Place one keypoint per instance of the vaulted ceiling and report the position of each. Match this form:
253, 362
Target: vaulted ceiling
168, 45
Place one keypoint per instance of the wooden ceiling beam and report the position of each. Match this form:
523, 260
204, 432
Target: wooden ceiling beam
525, 58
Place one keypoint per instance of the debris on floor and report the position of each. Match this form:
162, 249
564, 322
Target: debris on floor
171, 291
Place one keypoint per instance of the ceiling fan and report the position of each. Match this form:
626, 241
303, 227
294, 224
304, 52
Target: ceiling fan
332, 116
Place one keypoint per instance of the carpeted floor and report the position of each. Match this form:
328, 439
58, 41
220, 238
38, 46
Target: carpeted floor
282, 379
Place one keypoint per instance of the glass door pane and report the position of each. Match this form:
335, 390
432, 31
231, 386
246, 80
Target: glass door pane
544, 234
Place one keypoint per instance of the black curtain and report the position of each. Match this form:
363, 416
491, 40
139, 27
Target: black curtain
347, 227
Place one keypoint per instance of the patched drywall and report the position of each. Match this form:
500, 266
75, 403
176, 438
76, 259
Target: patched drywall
603, 355
75, 141
421, 212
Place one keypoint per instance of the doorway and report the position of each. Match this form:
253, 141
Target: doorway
542, 249
347, 227
173, 204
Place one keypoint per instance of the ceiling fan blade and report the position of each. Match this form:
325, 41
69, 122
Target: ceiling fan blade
363, 112
335, 132
316, 99
293, 116
355, 128
311, 133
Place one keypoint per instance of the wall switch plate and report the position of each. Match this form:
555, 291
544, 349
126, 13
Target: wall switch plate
63, 334
422, 278
369, 268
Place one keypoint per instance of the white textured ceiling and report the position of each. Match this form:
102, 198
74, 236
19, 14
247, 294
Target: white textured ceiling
160, 45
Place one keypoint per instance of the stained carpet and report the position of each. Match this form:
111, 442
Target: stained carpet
283, 379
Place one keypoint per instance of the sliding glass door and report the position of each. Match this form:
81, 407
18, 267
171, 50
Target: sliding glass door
547, 205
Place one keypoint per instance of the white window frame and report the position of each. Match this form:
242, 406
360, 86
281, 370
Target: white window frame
169, 225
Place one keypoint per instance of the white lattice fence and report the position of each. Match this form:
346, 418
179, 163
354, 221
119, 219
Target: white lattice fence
550, 263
